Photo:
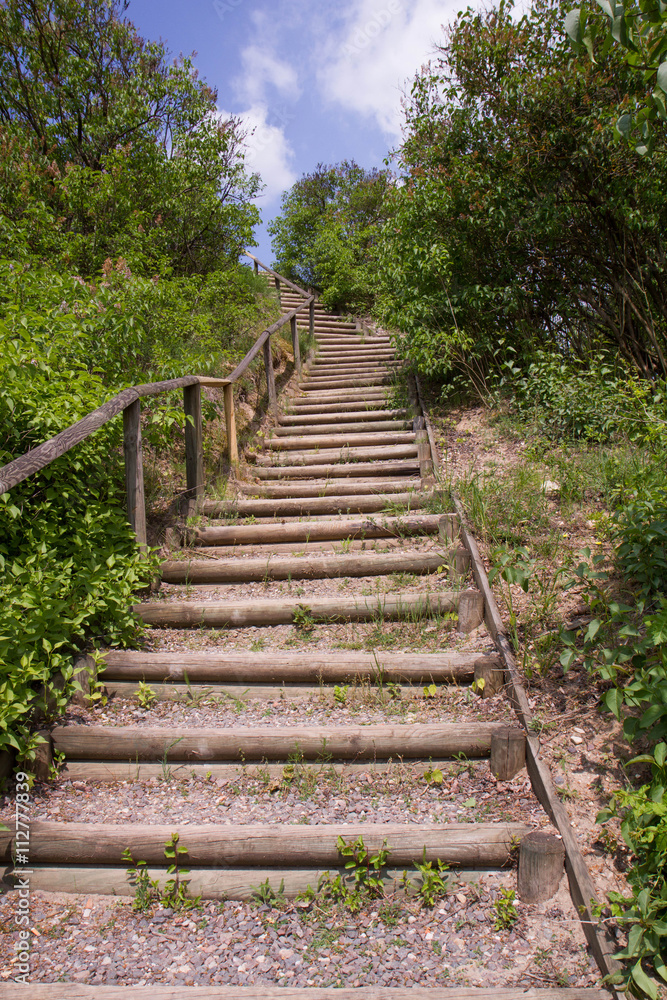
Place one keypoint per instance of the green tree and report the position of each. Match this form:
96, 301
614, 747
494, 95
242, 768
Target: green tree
127, 147
520, 222
327, 231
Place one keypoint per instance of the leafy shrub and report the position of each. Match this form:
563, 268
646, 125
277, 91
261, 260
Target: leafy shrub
643, 814
570, 399
69, 561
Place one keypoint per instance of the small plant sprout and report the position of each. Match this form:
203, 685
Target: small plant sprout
340, 693
303, 619
504, 910
146, 696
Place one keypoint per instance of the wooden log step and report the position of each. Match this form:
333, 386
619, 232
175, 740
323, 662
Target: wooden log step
336, 470
339, 440
370, 396
324, 488
368, 415
274, 743
465, 844
115, 770
404, 526
294, 668
348, 337
238, 614
76, 991
358, 427
372, 350
342, 454
301, 406
240, 694
344, 382
355, 364
311, 567
318, 371
303, 506
343, 367
355, 359
221, 884
345, 546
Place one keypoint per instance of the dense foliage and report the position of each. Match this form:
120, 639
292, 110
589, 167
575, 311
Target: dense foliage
520, 217
108, 148
124, 203
640, 28
325, 237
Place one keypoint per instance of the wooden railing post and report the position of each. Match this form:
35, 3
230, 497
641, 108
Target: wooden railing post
295, 345
194, 445
311, 318
277, 283
230, 421
134, 470
270, 379
256, 267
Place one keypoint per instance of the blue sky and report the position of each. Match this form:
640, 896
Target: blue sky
317, 80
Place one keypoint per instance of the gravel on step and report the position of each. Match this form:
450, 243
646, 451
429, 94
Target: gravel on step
100, 940
468, 794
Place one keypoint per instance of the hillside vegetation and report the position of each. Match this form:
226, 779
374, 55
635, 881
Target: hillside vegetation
124, 206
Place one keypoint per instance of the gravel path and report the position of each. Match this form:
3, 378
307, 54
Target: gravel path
100, 940
468, 794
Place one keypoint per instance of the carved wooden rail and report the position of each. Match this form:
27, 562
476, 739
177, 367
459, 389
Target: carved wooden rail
128, 402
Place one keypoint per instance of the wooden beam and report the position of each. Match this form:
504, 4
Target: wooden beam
230, 423
270, 379
295, 346
397, 467
294, 668
76, 991
134, 471
236, 884
311, 567
582, 889
263, 845
382, 526
270, 743
194, 444
238, 614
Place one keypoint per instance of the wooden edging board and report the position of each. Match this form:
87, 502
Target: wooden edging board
582, 890
77, 991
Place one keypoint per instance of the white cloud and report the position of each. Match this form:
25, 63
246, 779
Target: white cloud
262, 70
382, 43
268, 151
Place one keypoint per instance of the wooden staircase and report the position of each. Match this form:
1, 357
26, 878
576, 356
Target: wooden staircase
341, 488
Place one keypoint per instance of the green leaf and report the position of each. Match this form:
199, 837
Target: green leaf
623, 126
573, 26
661, 78
643, 981
613, 699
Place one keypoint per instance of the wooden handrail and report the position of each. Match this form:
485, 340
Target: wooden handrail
127, 402
290, 284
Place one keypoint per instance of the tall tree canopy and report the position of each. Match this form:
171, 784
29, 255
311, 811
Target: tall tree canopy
327, 231
521, 218
120, 145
